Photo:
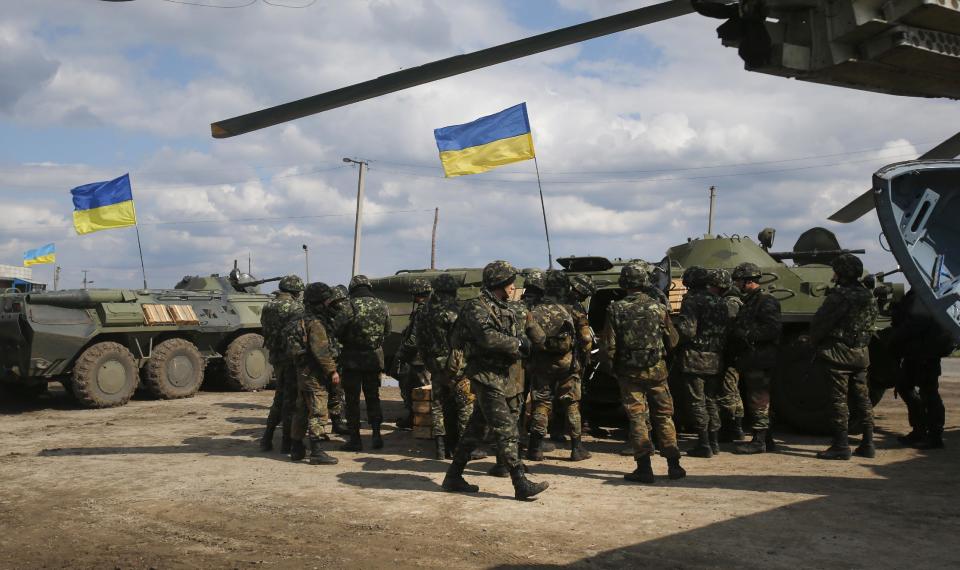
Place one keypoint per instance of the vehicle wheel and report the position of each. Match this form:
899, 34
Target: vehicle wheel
175, 370
104, 376
246, 364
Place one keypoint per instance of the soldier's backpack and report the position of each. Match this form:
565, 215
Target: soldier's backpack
294, 338
558, 328
640, 337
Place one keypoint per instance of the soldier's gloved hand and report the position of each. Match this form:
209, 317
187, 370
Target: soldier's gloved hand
524, 346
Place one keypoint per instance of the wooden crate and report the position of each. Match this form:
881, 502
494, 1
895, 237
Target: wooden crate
183, 315
157, 315
422, 420
422, 394
421, 407
423, 432
677, 291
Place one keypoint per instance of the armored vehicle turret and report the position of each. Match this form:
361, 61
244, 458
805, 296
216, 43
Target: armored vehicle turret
103, 344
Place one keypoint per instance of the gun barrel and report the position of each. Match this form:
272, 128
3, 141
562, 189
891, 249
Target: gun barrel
82, 299
779, 255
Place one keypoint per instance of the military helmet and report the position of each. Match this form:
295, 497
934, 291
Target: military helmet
720, 278
498, 274
847, 266
746, 271
339, 293
359, 281
317, 293
634, 276
555, 281
535, 280
695, 277
583, 285
446, 283
291, 284
420, 287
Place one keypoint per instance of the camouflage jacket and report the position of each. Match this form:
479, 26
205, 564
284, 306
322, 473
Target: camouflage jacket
489, 331
637, 335
842, 326
755, 332
553, 334
734, 301
434, 330
273, 318
320, 357
363, 334
409, 350
702, 325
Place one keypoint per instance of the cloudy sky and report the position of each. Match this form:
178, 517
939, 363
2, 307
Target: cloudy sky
630, 132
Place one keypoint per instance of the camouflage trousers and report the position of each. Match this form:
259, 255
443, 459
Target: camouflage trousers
452, 398
757, 383
648, 401
702, 392
337, 401
495, 410
415, 376
310, 419
848, 391
925, 410
367, 381
284, 398
562, 386
728, 401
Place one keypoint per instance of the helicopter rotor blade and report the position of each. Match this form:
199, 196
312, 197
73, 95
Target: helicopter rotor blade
449, 67
863, 203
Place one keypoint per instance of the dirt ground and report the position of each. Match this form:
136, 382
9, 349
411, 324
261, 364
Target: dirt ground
174, 484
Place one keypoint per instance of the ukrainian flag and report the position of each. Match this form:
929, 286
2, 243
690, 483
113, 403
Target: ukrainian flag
40, 256
103, 205
486, 143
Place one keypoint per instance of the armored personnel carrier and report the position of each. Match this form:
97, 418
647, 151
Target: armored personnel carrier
103, 344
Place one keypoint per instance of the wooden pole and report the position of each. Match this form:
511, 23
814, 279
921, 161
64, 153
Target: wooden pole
433, 239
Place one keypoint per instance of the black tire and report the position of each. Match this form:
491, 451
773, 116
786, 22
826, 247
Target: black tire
246, 366
175, 370
104, 376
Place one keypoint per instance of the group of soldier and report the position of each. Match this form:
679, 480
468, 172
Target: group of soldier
486, 357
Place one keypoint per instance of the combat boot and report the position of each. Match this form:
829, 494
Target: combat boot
377, 438
915, 436
319, 456
577, 451
702, 449
757, 445
731, 432
715, 442
354, 443
643, 473
405, 423
339, 425
297, 451
839, 449
866, 447
674, 471
499, 470
523, 488
441, 448
285, 443
769, 442
454, 482
266, 440
478, 454
535, 449
933, 440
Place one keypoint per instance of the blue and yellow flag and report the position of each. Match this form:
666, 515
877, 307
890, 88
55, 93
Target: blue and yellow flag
103, 205
40, 256
486, 143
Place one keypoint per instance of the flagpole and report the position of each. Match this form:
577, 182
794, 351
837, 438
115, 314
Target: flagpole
543, 209
143, 270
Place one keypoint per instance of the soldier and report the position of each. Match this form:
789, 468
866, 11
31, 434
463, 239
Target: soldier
414, 374
532, 288
316, 373
362, 338
450, 389
338, 313
636, 337
554, 367
273, 318
840, 332
754, 336
702, 325
729, 403
493, 342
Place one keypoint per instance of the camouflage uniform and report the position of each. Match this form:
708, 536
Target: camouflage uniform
362, 358
273, 319
729, 403
840, 332
636, 337
450, 388
338, 313
702, 324
414, 374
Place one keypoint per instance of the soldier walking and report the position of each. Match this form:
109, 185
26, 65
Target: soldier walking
840, 333
636, 337
273, 319
411, 370
729, 402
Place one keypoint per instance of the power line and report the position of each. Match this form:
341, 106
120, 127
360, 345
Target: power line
202, 5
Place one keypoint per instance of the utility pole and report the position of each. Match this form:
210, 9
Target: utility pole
359, 220
306, 260
56, 278
85, 281
713, 196
433, 239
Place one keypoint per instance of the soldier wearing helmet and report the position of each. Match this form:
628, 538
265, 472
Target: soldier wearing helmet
554, 367
637, 336
754, 337
409, 369
729, 403
337, 314
450, 388
702, 324
493, 340
362, 334
273, 318
840, 333
533, 287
